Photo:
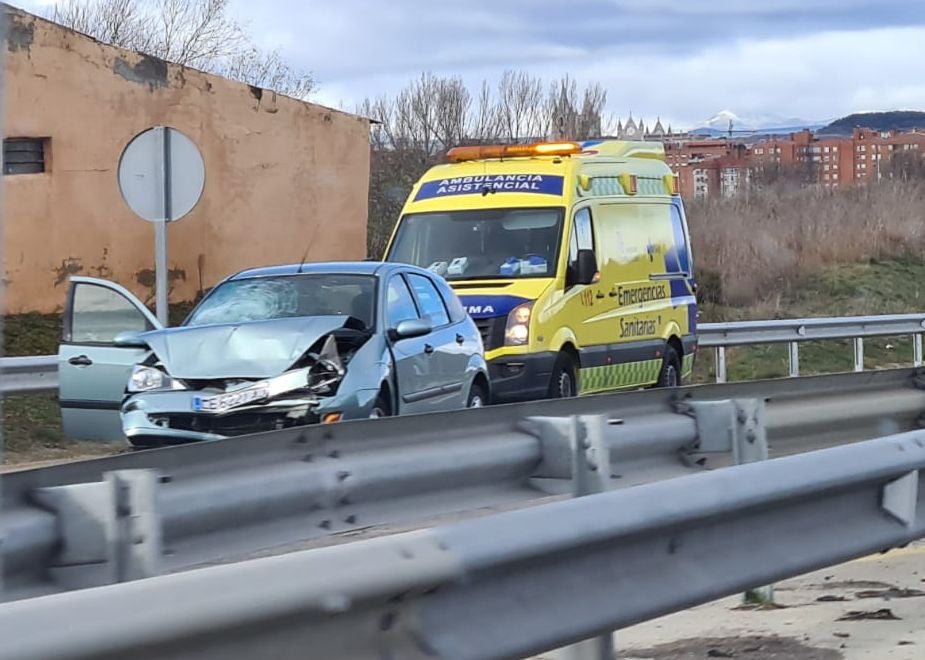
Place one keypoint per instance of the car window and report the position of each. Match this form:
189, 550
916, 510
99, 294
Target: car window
399, 304
99, 314
451, 300
431, 303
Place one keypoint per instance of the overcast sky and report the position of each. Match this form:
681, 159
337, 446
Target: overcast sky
681, 59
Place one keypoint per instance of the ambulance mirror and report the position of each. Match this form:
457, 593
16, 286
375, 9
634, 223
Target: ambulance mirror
586, 270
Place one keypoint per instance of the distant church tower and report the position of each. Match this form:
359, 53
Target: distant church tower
631, 131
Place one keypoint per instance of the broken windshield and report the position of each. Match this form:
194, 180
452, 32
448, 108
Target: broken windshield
265, 298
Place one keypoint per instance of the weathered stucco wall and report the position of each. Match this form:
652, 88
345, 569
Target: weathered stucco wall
284, 179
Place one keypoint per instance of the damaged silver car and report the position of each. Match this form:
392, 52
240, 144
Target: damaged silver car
267, 349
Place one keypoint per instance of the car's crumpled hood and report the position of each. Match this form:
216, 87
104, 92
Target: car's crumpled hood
256, 349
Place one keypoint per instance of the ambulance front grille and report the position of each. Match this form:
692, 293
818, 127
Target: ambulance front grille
492, 331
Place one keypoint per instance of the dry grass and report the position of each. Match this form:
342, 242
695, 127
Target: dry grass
754, 249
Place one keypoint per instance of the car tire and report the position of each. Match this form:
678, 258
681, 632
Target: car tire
477, 398
563, 382
670, 374
381, 408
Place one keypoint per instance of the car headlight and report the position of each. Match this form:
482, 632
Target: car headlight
517, 332
148, 379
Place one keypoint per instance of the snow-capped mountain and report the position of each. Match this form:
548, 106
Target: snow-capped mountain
719, 124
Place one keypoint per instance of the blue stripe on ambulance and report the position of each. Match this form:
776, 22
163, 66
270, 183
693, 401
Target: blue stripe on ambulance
483, 307
677, 261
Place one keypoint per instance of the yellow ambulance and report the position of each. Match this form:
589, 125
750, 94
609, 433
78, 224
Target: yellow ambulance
573, 259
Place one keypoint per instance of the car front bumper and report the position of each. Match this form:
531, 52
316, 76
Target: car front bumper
521, 377
152, 419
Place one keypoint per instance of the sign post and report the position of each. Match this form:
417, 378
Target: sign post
161, 178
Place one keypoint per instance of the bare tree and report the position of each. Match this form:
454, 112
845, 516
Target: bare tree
522, 111
415, 127
592, 107
451, 116
484, 123
123, 23
268, 70
569, 121
194, 33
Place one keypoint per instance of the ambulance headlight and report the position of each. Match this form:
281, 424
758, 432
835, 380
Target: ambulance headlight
517, 332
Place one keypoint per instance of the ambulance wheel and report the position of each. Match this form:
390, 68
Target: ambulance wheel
563, 383
670, 375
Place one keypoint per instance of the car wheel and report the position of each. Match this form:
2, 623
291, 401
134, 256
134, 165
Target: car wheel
381, 408
563, 383
477, 397
670, 375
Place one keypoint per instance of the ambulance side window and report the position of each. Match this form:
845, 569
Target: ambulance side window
680, 255
582, 237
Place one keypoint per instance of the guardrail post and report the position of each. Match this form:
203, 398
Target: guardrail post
794, 359
917, 350
735, 426
750, 445
110, 529
139, 545
590, 475
859, 354
720, 364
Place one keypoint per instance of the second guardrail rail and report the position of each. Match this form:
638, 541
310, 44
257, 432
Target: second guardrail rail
793, 332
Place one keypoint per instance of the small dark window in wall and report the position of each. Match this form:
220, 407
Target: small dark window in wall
24, 155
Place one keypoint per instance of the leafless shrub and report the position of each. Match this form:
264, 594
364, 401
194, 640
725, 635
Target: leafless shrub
753, 249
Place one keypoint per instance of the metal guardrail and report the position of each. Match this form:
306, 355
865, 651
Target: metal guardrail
101, 521
795, 331
39, 373
28, 374
586, 567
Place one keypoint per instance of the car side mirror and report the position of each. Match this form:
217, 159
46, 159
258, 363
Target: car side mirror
129, 339
410, 328
584, 270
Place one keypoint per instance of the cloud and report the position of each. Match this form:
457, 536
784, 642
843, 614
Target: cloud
682, 59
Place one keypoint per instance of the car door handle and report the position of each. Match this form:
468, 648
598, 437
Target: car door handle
428, 349
80, 361
460, 339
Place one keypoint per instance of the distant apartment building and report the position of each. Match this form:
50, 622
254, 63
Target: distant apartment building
721, 167
708, 168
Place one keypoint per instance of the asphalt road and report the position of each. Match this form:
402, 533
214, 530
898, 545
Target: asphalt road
870, 608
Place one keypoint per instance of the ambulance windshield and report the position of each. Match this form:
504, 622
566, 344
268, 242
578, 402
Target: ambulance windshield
484, 244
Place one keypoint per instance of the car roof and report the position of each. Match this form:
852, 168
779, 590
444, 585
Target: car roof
328, 267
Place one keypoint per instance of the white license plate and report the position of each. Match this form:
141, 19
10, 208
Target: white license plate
223, 402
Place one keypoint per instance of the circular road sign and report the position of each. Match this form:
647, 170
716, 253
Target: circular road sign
161, 174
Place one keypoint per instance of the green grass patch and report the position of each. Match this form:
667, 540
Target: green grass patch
878, 287
32, 432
